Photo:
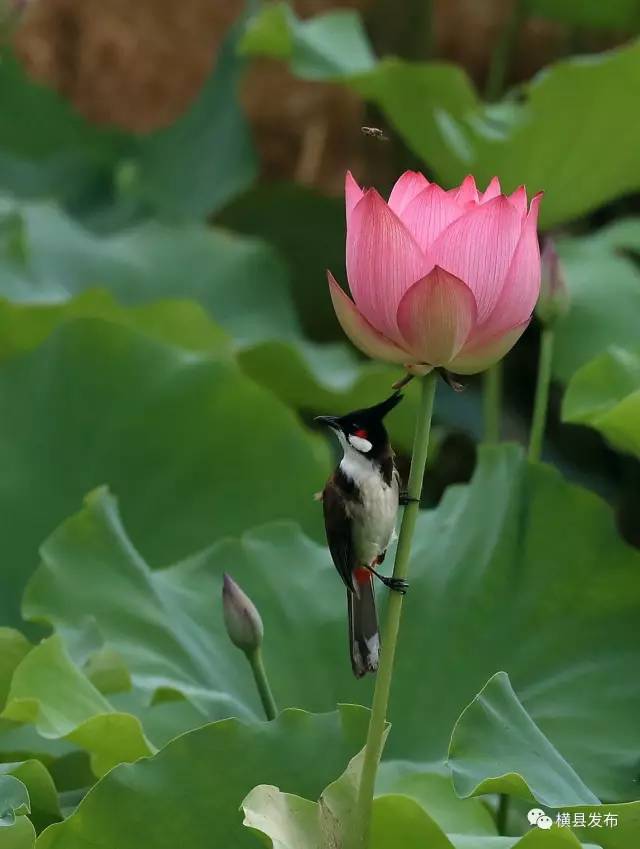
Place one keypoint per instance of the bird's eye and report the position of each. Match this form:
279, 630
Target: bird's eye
361, 433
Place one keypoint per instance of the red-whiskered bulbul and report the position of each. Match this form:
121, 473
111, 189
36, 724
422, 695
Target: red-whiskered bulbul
360, 502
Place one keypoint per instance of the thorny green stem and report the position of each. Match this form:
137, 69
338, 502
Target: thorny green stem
373, 749
262, 683
541, 401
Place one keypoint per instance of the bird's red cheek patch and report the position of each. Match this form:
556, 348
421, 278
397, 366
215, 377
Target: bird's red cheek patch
362, 575
361, 433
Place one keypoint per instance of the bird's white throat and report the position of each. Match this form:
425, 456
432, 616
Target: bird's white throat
373, 512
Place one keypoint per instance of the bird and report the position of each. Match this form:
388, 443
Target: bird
360, 502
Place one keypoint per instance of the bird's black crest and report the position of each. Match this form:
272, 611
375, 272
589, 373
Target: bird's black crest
385, 406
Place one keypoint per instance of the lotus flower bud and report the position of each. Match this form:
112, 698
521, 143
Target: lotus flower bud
241, 617
439, 279
555, 299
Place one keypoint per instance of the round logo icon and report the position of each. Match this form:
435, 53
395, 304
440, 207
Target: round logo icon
537, 816
534, 815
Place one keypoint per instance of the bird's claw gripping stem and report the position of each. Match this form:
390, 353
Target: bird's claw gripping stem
405, 499
397, 585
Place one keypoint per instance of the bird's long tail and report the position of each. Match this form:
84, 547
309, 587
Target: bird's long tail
364, 641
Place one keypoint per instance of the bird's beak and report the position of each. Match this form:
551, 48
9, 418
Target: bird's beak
330, 421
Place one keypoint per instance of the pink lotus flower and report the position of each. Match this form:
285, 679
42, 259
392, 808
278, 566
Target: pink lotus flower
438, 278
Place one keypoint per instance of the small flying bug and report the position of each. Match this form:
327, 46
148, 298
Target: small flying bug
375, 133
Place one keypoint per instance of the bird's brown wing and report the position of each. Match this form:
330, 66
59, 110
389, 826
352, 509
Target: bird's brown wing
339, 531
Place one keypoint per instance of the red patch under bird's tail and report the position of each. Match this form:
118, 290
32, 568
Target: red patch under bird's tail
364, 641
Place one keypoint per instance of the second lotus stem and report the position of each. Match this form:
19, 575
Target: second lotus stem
262, 683
492, 402
541, 401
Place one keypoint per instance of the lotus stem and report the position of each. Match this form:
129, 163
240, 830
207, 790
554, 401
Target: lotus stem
492, 402
541, 402
502, 813
262, 683
377, 721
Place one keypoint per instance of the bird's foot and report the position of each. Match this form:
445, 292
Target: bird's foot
405, 499
397, 585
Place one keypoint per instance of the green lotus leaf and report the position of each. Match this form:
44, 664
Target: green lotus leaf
43, 796
15, 744
47, 286
498, 561
182, 323
20, 742
329, 45
49, 258
294, 823
431, 787
14, 800
21, 835
495, 732
78, 413
45, 146
302, 374
336, 808
560, 114
107, 176
192, 789
623, 234
400, 821
205, 158
401, 815
624, 831
517, 552
171, 635
290, 822
50, 692
555, 838
13, 648
107, 671
605, 394
330, 378
617, 15
289, 217
16, 830
497, 748
600, 316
